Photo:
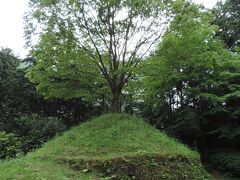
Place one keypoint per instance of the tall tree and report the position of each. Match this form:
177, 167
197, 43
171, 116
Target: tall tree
227, 17
112, 35
8, 82
192, 85
188, 88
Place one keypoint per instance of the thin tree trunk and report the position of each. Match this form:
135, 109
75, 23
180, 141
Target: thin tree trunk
104, 104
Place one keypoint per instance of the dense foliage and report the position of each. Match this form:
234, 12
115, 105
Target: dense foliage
227, 17
34, 130
19, 100
10, 145
196, 97
10, 88
227, 161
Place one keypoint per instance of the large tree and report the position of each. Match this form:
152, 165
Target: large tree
192, 84
112, 35
192, 88
227, 17
8, 81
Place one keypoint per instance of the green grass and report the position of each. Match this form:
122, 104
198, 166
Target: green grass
31, 167
107, 137
111, 136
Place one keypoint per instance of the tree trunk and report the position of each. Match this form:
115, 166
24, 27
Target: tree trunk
104, 104
116, 102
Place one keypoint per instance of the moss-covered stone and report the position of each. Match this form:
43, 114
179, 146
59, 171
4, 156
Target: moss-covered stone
147, 167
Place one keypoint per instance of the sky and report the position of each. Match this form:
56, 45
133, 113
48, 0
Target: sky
11, 24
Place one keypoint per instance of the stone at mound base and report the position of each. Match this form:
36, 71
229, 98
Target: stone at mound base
143, 167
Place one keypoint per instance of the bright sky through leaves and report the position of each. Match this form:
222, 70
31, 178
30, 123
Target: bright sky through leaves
11, 19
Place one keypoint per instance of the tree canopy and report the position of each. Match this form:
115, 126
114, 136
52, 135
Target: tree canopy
194, 95
228, 18
111, 35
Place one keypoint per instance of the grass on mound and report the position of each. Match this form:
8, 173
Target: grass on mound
111, 140
114, 135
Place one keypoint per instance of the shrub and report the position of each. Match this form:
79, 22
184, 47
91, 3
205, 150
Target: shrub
35, 130
228, 161
10, 145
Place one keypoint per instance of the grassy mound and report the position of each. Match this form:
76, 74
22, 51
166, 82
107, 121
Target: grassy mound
119, 146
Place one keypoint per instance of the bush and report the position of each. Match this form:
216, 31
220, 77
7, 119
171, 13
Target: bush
35, 130
228, 161
10, 145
